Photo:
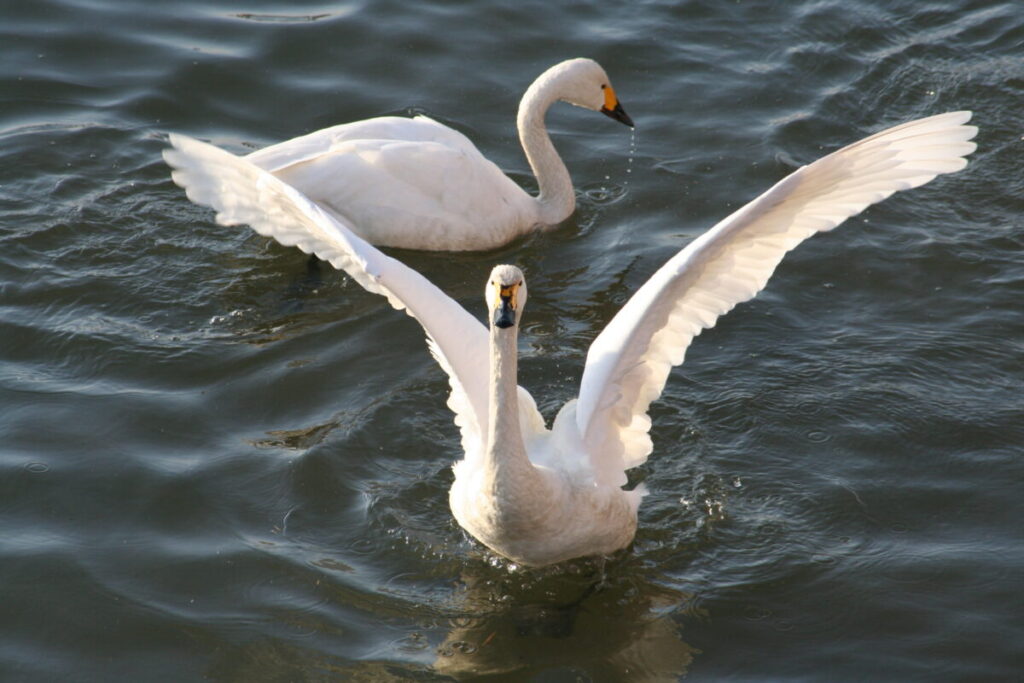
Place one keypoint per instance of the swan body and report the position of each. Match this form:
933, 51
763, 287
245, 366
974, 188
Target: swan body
538, 495
417, 184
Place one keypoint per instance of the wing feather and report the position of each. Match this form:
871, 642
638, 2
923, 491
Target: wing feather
242, 193
629, 362
313, 145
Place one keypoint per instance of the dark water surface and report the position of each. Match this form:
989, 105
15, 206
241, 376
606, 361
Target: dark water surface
220, 464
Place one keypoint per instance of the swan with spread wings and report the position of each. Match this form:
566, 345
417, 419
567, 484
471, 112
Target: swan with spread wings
536, 495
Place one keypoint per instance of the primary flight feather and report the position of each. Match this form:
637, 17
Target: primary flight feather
540, 496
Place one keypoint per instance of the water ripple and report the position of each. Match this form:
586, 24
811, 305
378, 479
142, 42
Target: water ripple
221, 461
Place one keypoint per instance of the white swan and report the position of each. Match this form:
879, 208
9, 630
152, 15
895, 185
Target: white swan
540, 496
417, 184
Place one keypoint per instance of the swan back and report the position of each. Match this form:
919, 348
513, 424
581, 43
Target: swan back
419, 128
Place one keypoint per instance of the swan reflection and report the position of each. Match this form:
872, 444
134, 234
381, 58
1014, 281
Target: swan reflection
610, 628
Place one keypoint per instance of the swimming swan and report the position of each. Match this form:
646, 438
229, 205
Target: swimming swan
417, 184
540, 496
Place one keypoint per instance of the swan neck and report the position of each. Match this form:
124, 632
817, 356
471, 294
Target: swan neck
505, 452
556, 200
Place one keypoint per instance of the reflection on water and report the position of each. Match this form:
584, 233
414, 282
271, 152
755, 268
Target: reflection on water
595, 620
610, 628
590, 620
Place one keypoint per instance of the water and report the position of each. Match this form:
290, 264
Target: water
221, 464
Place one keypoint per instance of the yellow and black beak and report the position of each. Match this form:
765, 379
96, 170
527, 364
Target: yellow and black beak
613, 108
504, 313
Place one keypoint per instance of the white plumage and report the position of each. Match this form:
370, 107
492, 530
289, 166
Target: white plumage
417, 184
541, 496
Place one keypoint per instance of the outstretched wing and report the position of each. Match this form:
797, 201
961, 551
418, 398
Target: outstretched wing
242, 193
629, 362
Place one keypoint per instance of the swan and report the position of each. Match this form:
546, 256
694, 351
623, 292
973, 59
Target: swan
536, 495
418, 184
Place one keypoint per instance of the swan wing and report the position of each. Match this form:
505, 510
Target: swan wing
629, 362
310, 146
242, 193
419, 195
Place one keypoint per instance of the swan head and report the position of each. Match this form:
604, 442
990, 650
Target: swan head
506, 296
584, 83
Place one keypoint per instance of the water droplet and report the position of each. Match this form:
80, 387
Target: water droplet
37, 467
632, 154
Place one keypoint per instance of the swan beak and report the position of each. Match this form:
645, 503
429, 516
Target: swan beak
505, 311
613, 108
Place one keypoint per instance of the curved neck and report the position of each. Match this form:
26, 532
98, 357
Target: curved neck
556, 200
506, 463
